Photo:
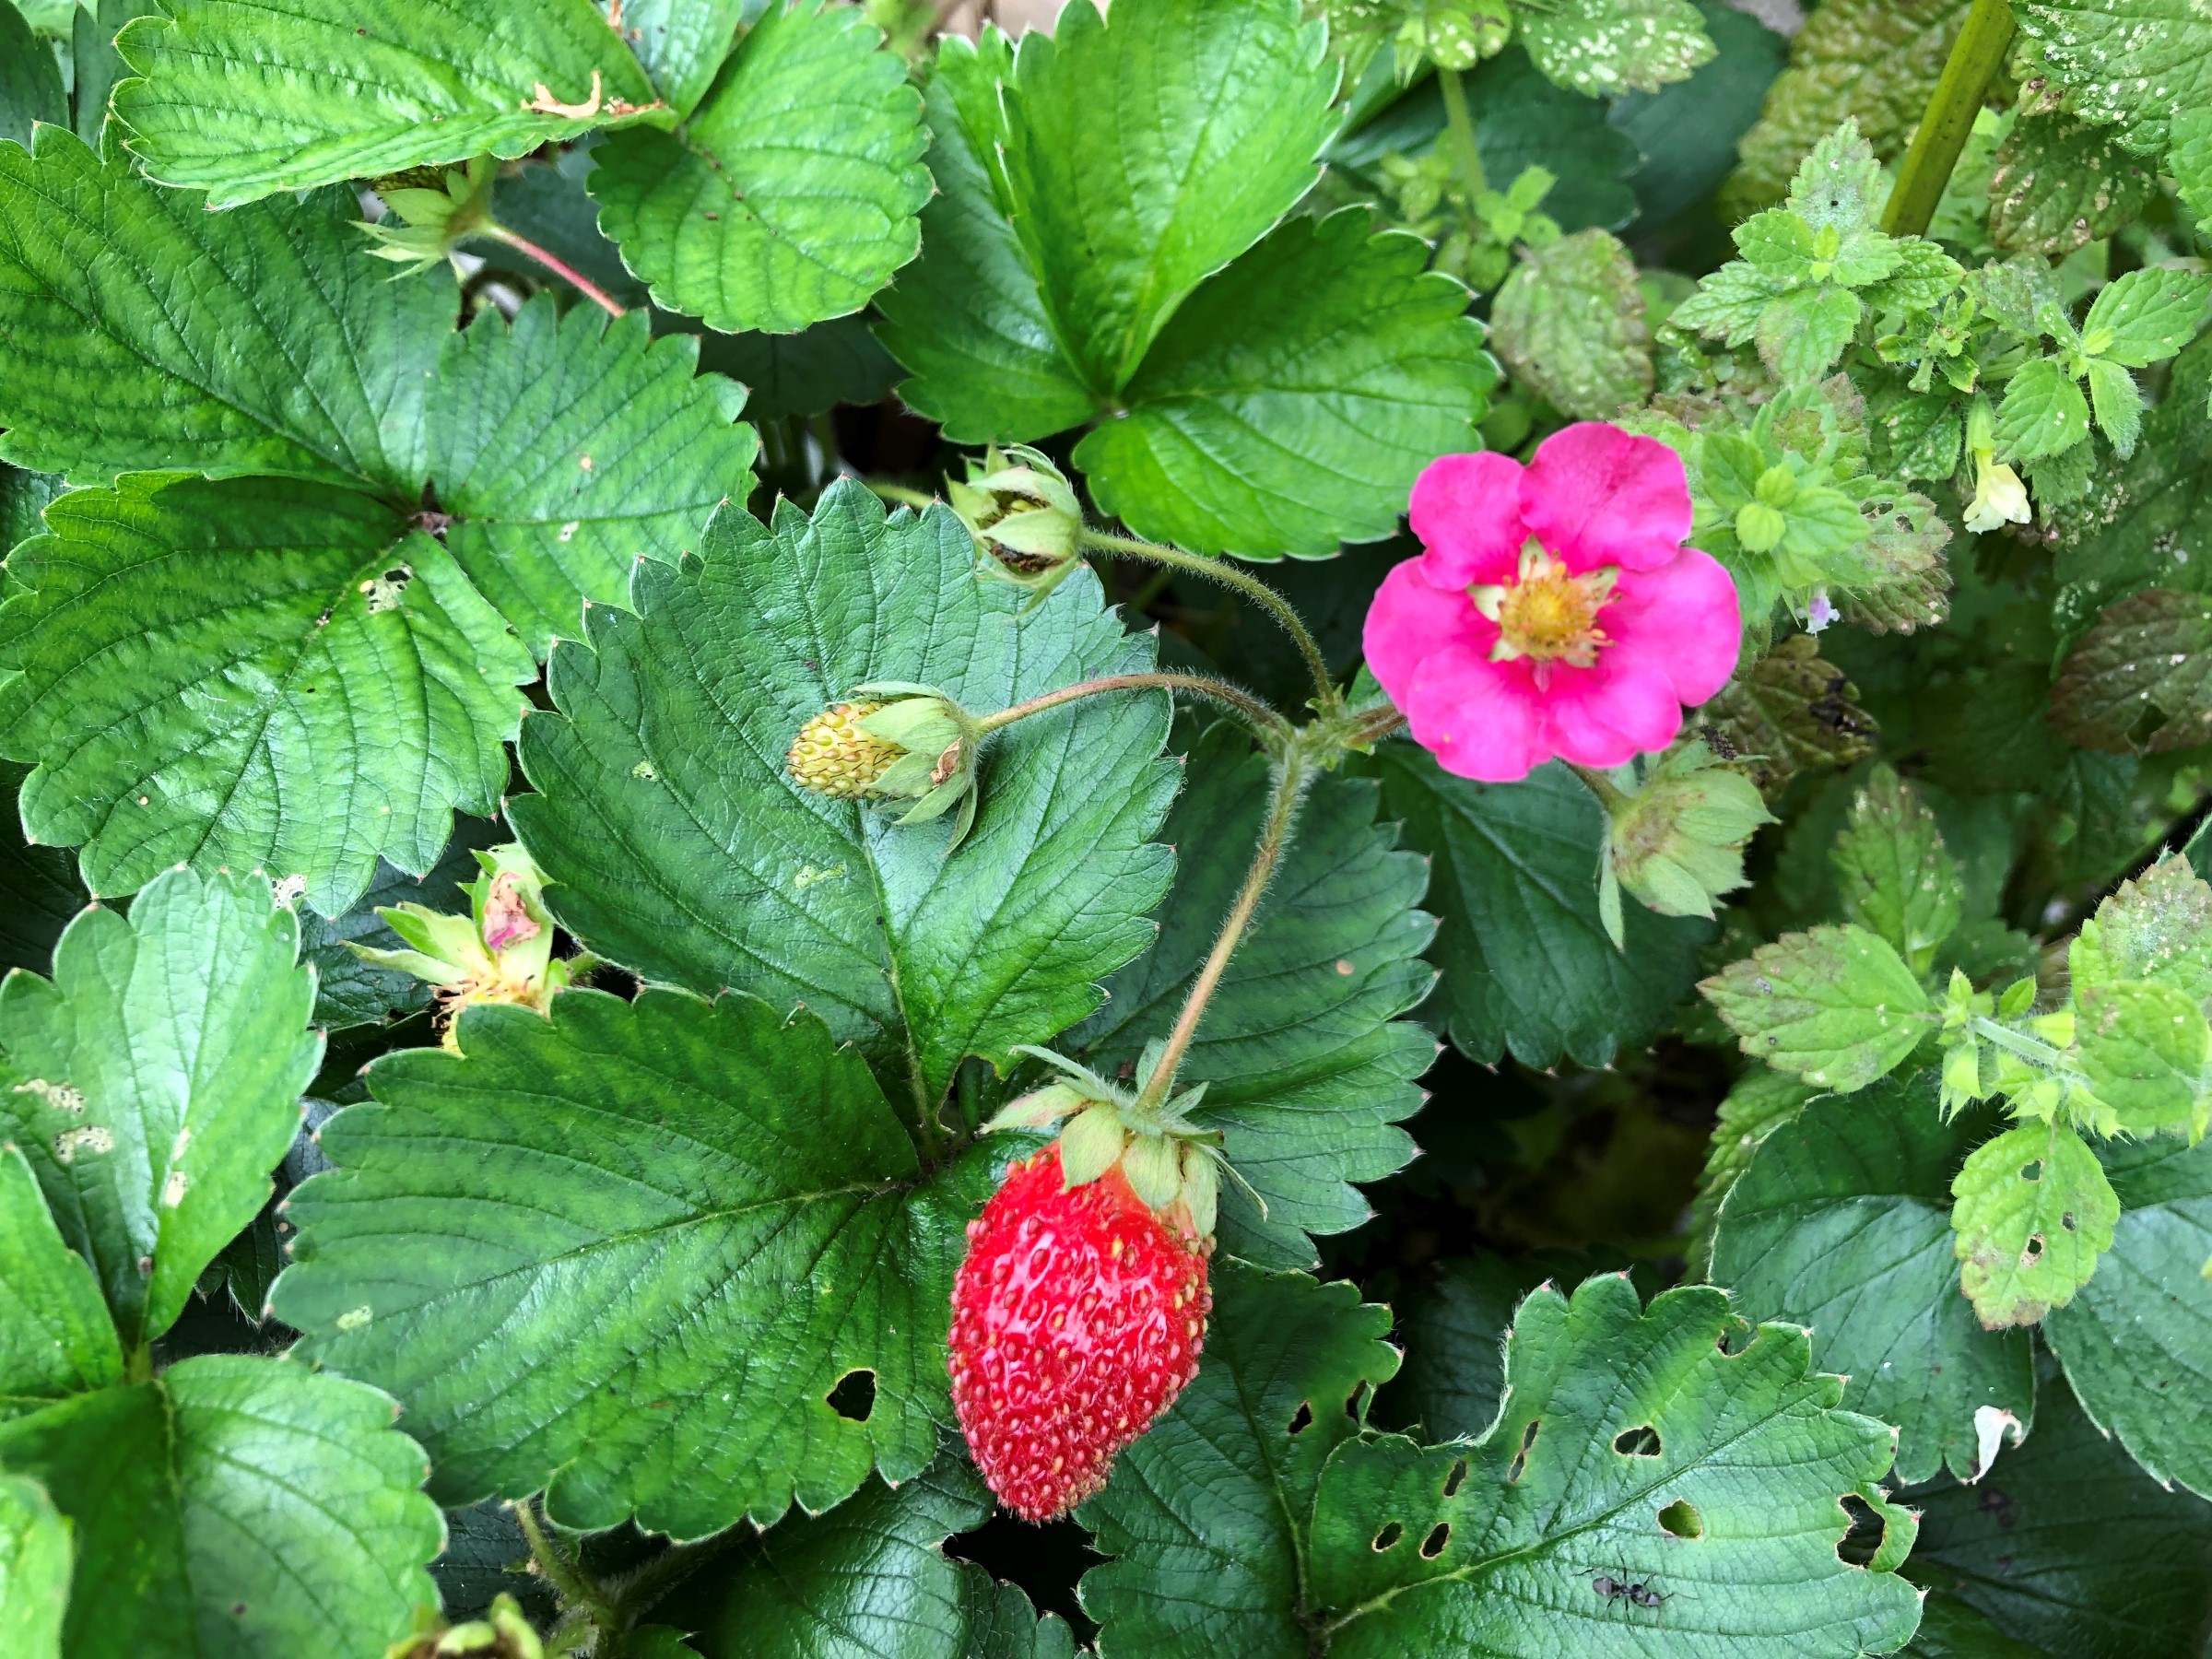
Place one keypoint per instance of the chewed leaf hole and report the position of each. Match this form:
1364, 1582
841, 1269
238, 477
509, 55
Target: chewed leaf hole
2032, 1169
1640, 1442
2066, 1221
2034, 1253
855, 1396
1863, 1538
1388, 1537
1433, 1545
1454, 1481
1681, 1519
1519, 1466
1353, 1402
1303, 1421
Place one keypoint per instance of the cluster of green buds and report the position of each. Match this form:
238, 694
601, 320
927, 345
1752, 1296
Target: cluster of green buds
1170, 1162
893, 740
1675, 835
503, 1633
437, 209
500, 952
1999, 496
1024, 516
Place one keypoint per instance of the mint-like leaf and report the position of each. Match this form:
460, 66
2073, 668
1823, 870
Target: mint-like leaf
2143, 1049
1837, 1007
2129, 61
2145, 316
2060, 184
2041, 414
1897, 877
1570, 324
1789, 711
2141, 675
1602, 48
2034, 1211
2157, 926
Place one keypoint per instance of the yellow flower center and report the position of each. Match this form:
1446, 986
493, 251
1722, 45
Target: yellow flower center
1546, 613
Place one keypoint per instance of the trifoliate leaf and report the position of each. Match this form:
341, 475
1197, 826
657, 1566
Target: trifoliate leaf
790, 196
2042, 413
2117, 402
34, 1569
1527, 966
2157, 926
1898, 878
246, 103
2133, 1340
1295, 396
1452, 1326
154, 1082
570, 448
2143, 1049
30, 79
682, 848
235, 1505
38, 889
1631, 1446
1835, 1006
1757, 1103
2145, 316
2060, 184
1844, 1223
1600, 48
680, 1227
1569, 323
56, 1337
251, 671
1790, 711
2033, 1213
2136, 63
1306, 1065
2141, 676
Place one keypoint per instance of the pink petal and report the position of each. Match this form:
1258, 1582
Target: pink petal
1609, 714
1595, 495
1410, 620
1481, 719
1681, 619
1466, 511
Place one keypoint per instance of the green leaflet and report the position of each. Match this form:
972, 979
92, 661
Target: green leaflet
234, 1505
1897, 877
1600, 48
2034, 1212
56, 1337
1842, 1223
1306, 1065
1791, 709
34, 1569
790, 196
2135, 63
1528, 968
154, 1082
685, 852
1569, 323
2059, 184
1836, 1006
243, 102
671, 1205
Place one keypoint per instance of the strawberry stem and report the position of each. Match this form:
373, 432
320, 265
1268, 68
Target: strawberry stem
559, 267
1271, 728
569, 1579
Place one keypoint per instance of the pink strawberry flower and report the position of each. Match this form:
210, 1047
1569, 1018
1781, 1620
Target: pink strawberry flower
1556, 613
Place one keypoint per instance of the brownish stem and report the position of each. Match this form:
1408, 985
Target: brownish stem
559, 267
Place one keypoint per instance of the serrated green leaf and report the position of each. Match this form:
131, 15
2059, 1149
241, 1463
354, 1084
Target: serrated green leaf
2133, 1340
671, 1207
2117, 402
30, 79
683, 850
234, 1505
1839, 186
2144, 1048
1306, 1064
56, 1337
1569, 323
1801, 334
2157, 926
34, 1569
2137, 521
1527, 966
2141, 676
681, 43
2042, 413
2059, 184
2136, 63
2034, 1211
1789, 711
1756, 1103
1844, 1223
251, 671
154, 1082
2148, 313
1551, 1499
1728, 303
1835, 1006
791, 194
1600, 48
1898, 878
1295, 397
2190, 161
246, 102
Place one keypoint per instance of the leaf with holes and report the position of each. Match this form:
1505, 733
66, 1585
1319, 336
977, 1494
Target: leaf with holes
1842, 1223
1897, 879
791, 193
2133, 63
2033, 1213
2060, 184
684, 850
2141, 676
1306, 1065
1569, 323
154, 1081
1837, 1007
671, 1205
246, 101
1602, 48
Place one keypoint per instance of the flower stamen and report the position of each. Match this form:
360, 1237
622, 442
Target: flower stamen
1547, 614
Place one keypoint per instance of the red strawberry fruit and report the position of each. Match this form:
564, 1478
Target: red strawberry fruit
1077, 1319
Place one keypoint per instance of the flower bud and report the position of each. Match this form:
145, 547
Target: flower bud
1677, 842
1024, 516
893, 741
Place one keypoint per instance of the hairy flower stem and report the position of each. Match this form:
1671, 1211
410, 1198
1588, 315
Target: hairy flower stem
1236, 581
1464, 152
559, 267
568, 1578
1607, 793
1976, 56
1287, 783
1268, 725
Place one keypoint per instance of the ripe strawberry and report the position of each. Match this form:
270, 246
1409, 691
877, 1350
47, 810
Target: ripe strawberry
1077, 1319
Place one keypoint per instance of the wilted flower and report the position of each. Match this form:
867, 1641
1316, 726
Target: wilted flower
1023, 514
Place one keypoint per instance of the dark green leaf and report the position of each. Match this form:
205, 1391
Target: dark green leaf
56, 1337
1452, 1326
38, 889
1688, 132
2142, 674
2137, 62
350, 992
2138, 520
30, 79
1897, 877
1756, 1103
1789, 710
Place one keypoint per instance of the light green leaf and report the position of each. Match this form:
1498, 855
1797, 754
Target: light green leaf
1570, 324
1527, 967
680, 1227
293, 354
2150, 314
1600, 48
2117, 402
2137, 62
2033, 1213
1306, 1065
2042, 413
2157, 926
1838, 185
251, 671
1145, 153
1842, 1223
34, 1569
30, 79
791, 193
1835, 1006
243, 102
55, 1338
2059, 184
683, 850
2134, 1339
2144, 1047
154, 1082
235, 1505
1897, 877
1801, 334
2141, 676
570, 448
1624, 1434
681, 43
1295, 397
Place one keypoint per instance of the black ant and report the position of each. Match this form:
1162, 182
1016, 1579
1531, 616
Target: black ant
1620, 1589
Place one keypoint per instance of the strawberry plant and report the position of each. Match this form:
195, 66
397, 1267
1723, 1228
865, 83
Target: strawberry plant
1295, 829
